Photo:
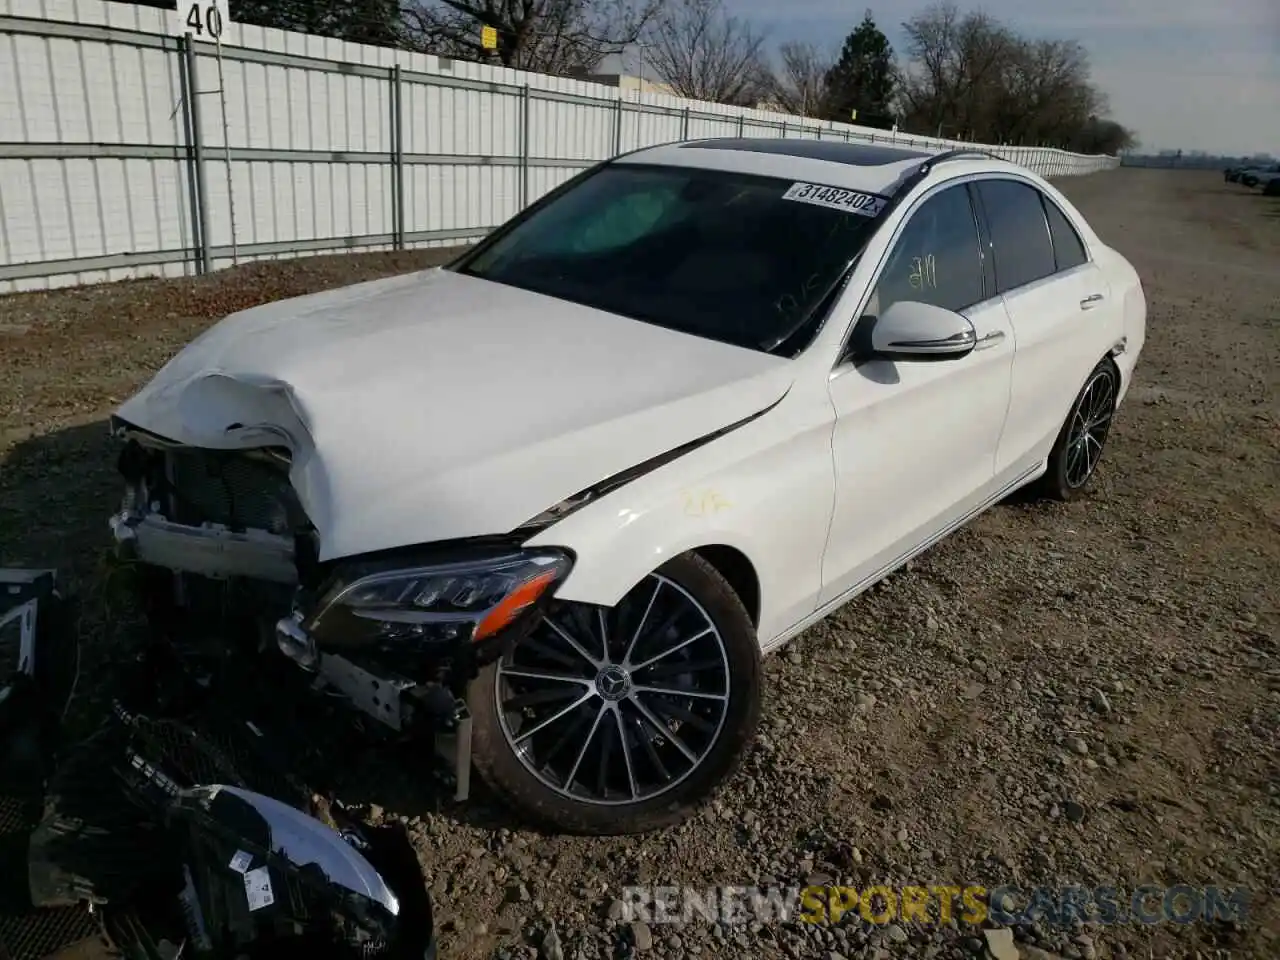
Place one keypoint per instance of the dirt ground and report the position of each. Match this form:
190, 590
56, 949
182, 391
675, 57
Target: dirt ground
1083, 694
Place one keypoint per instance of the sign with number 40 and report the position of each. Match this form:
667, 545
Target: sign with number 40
202, 19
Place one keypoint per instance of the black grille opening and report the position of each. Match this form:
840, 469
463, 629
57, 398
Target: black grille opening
239, 491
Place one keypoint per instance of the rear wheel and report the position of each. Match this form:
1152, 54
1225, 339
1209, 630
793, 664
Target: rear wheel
1078, 449
624, 719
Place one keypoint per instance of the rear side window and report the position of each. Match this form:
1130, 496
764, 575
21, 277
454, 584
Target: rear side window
1019, 233
1068, 249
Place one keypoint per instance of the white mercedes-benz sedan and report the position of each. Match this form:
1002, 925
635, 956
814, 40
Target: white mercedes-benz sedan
552, 502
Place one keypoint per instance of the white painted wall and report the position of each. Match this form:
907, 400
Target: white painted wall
73, 95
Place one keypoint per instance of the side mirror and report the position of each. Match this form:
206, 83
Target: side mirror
910, 330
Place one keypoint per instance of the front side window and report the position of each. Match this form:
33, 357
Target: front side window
937, 258
744, 259
1019, 233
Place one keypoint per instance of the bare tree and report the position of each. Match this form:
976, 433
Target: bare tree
704, 53
548, 36
799, 83
955, 65
969, 76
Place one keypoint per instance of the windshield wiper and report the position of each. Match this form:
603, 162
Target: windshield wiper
800, 330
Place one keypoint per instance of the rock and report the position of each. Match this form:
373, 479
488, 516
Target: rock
896, 933
641, 936
511, 924
1035, 953
1073, 811
551, 948
1101, 702
1078, 745
1000, 944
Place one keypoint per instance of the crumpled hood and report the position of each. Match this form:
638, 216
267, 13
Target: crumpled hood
434, 406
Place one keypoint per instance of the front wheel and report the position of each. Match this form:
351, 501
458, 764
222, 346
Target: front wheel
1078, 449
622, 720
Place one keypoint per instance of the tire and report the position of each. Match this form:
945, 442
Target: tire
615, 780
1093, 410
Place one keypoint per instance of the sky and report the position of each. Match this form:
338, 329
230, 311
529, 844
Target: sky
1185, 74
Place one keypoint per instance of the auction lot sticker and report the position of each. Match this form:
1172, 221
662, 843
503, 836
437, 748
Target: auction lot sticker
837, 198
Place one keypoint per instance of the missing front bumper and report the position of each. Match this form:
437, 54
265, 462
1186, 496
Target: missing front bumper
394, 703
208, 551
399, 705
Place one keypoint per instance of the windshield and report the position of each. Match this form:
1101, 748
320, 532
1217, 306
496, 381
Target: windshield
744, 259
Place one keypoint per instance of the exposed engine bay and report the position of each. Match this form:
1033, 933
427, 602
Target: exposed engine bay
174, 829
224, 549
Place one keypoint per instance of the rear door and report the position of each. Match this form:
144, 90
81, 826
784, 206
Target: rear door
1060, 305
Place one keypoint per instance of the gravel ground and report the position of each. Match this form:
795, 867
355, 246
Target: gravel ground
1058, 695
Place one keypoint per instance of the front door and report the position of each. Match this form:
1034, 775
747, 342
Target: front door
914, 440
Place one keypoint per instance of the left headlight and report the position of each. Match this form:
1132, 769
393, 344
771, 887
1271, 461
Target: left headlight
471, 599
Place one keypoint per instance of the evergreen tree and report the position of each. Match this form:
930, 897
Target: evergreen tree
862, 78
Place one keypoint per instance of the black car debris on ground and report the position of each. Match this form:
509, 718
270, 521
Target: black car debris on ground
173, 830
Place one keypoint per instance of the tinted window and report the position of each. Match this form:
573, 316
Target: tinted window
937, 258
1067, 247
1019, 234
718, 254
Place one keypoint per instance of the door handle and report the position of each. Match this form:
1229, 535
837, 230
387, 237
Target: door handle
1091, 301
989, 340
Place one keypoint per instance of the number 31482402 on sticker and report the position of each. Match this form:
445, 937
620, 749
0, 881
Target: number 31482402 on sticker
837, 198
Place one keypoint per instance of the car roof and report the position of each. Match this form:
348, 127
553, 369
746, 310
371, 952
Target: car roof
875, 168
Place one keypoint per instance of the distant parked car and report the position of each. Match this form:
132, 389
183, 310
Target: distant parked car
1231, 174
1271, 185
1253, 176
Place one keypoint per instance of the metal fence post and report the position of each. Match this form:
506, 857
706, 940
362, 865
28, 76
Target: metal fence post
524, 147
197, 153
741, 124
397, 162
684, 124
192, 196
617, 125
783, 135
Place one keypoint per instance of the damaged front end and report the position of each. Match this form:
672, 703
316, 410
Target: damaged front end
223, 544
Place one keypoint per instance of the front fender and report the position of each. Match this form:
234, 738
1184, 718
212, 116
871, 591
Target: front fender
767, 490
